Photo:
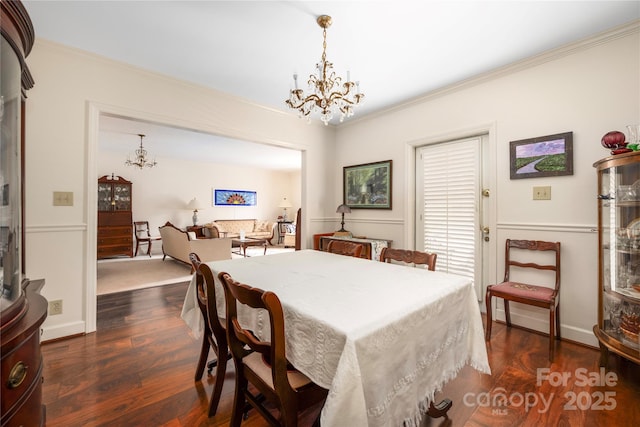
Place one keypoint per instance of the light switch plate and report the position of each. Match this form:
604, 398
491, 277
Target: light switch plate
62, 198
542, 193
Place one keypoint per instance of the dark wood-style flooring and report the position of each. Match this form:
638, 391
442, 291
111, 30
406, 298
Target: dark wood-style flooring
138, 368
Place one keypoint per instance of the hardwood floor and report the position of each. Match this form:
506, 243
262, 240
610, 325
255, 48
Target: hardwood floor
137, 370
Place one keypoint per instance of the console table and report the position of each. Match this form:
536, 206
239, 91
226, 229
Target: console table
372, 247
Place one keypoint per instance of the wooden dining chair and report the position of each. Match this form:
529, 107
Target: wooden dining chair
408, 256
143, 236
298, 238
215, 334
530, 294
262, 363
342, 247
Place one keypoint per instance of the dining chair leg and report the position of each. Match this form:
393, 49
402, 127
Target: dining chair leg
557, 316
507, 314
202, 360
487, 298
289, 418
238, 401
552, 335
221, 369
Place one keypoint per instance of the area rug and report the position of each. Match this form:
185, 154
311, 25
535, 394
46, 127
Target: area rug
126, 274
120, 275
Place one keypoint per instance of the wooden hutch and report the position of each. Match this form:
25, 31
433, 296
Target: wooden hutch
115, 226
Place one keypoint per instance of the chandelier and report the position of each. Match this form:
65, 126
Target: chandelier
140, 160
328, 93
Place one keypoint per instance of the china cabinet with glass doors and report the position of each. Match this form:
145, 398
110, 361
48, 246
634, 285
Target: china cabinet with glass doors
115, 226
619, 256
23, 309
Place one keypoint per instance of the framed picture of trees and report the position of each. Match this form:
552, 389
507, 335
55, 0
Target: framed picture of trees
368, 186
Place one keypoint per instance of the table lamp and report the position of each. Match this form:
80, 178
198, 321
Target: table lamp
195, 205
342, 209
285, 204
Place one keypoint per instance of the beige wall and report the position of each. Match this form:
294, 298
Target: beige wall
162, 193
589, 90
72, 89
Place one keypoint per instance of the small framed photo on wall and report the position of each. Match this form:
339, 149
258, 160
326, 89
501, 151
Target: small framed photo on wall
550, 155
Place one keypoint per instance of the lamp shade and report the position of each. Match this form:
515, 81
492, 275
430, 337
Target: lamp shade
195, 204
343, 209
285, 203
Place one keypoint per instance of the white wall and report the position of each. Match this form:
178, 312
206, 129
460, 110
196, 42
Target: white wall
161, 194
589, 90
72, 89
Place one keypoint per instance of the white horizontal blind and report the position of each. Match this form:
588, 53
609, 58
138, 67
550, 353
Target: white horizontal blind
450, 210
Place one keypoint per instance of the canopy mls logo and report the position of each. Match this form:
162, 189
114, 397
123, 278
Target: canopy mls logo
500, 401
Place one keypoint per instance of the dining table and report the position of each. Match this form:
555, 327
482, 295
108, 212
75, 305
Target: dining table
382, 338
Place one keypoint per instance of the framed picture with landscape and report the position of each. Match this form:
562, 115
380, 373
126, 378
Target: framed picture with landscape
367, 186
550, 155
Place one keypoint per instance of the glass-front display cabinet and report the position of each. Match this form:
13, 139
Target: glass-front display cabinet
618, 325
22, 308
115, 226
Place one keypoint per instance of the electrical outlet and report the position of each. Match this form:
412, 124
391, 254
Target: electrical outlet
55, 307
542, 193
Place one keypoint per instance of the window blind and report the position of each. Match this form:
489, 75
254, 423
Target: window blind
450, 205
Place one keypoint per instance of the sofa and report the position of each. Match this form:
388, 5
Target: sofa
178, 244
231, 228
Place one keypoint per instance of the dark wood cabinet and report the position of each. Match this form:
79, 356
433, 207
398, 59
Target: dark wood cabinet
21, 364
115, 224
22, 308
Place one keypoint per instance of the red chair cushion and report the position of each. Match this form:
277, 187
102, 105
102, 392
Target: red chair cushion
523, 290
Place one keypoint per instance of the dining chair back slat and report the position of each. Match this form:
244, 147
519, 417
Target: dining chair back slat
407, 256
343, 247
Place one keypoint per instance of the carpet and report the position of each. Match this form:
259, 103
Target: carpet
120, 275
126, 274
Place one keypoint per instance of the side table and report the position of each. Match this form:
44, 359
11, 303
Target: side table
282, 229
198, 229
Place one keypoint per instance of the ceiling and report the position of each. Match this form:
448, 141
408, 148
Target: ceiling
398, 49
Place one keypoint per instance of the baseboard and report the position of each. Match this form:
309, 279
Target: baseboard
570, 333
63, 330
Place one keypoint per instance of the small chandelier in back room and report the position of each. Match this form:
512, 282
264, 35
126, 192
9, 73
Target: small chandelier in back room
327, 90
140, 159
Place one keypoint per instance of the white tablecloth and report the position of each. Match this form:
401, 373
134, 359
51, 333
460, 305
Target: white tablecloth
383, 338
